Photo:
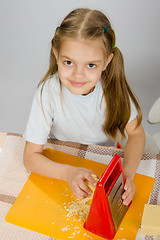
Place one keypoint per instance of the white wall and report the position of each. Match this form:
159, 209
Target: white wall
26, 28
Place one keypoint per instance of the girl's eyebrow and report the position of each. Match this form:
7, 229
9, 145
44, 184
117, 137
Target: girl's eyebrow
92, 61
63, 56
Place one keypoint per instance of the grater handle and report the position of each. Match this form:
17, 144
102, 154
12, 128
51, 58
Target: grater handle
112, 171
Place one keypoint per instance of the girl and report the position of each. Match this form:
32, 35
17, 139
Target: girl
84, 97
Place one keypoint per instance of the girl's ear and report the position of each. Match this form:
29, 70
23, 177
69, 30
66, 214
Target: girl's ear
109, 59
55, 53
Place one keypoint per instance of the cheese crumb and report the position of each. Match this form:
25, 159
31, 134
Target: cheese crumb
66, 228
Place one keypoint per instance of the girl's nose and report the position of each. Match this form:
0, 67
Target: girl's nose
78, 71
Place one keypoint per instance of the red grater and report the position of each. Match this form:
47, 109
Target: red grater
107, 209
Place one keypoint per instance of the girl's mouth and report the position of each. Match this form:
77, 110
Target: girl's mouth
77, 84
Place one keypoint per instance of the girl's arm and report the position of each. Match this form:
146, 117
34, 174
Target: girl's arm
132, 156
38, 163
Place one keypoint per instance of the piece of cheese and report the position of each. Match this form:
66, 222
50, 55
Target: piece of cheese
92, 187
151, 220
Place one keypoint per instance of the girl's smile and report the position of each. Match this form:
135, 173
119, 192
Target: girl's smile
80, 64
78, 84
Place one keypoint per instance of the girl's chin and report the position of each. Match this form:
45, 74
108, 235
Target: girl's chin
77, 91
80, 92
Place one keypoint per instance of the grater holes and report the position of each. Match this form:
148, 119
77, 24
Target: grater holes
121, 210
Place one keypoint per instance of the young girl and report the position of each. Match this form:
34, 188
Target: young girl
84, 97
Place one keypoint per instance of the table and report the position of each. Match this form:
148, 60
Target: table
13, 176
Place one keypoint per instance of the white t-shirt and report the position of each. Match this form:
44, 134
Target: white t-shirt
68, 117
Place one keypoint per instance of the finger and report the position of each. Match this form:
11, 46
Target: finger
82, 185
129, 191
128, 196
127, 184
91, 178
80, 194
127, 200
126, 193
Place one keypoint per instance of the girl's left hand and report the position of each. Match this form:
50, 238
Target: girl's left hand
129, 188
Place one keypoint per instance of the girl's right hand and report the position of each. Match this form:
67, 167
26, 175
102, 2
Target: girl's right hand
76, 178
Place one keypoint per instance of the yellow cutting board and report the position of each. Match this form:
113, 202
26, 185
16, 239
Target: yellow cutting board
40, 205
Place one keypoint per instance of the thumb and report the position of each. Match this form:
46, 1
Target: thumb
93, 179
126, 185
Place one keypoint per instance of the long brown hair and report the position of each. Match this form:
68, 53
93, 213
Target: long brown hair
93, 24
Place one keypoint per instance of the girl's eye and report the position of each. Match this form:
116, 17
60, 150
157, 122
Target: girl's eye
91, 65
68, 63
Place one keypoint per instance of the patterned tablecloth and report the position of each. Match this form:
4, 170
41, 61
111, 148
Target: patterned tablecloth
15, 176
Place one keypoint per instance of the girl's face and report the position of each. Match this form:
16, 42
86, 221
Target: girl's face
80, 64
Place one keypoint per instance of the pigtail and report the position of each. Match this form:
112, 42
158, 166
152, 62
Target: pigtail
117, 94
53, 68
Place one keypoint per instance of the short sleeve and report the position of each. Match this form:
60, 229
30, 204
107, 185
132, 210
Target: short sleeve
40, 119
134, 112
